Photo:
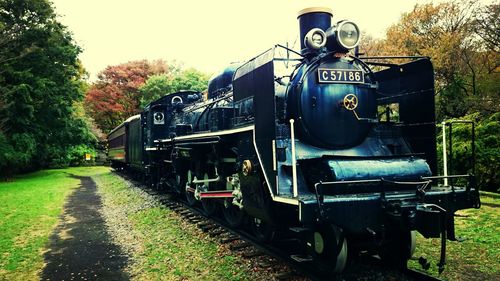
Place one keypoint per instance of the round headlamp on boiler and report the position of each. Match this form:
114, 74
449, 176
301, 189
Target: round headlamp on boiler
343, 36
315, 39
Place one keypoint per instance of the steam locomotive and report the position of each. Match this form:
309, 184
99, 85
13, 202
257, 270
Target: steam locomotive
316, 143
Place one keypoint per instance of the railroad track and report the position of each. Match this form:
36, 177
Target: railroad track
277, 257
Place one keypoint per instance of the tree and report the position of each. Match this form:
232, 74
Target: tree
160, 85
447, 33
487, 26
461, 38
115, 96
190, 79
40, 79
155, 87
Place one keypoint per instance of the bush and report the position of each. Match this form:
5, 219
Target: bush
77, 153
15, 154
72, 156
487, 150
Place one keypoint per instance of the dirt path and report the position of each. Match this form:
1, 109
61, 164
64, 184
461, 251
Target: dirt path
80, 247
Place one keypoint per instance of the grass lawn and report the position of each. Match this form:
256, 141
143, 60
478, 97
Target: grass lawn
161, 245
477, 257
29, 209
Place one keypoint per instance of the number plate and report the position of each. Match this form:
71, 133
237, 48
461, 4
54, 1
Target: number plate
327, 75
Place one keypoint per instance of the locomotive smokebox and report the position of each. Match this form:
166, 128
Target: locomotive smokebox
315, 17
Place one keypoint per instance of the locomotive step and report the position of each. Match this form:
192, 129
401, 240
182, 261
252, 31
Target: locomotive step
298, 229
301, 258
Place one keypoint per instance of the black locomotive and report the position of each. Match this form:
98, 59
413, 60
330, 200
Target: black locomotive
315, 143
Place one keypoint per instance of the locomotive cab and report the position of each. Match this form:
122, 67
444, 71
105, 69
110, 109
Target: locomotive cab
159, 114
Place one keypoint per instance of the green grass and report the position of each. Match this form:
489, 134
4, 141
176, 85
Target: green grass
170, 249
167, 248
29, 209
478, 256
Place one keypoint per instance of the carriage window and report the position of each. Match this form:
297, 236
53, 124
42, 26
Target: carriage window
388, 112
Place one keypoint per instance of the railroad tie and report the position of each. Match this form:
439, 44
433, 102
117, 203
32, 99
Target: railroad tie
216, 233
239, 246
285, 275
228, 239
204, 223
252, 254
208, 227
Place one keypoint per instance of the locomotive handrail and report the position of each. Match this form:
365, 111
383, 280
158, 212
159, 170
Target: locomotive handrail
387, 64
283, 59
473, 141
364, 64
288, 49
470, 178
394, 57
183, 139
346, 182
425, 183
400, 124
197, 143
196, 181
381, 181
371, 181
402, 94
294, 160
446, 177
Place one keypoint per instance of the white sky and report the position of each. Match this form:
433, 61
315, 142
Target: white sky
206, 35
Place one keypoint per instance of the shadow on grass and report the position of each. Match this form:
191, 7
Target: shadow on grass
80, 246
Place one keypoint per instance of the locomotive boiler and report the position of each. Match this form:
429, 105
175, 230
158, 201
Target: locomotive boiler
314, 143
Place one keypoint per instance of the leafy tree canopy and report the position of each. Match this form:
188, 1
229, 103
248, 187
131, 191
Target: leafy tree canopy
40, 79
462, 40
160, 85
115, 96
123, 90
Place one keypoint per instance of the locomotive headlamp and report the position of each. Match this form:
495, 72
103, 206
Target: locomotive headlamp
159, 118
348, 34
343, 36
315, 39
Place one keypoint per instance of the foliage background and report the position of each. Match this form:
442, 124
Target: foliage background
462, 39
50, 115
40, 82
123, 90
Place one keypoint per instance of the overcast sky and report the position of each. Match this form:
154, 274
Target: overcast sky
206, 35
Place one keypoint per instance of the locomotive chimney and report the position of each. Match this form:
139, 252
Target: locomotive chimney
315, 17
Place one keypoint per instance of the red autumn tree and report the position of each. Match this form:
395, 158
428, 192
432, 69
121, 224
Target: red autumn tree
115, 96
